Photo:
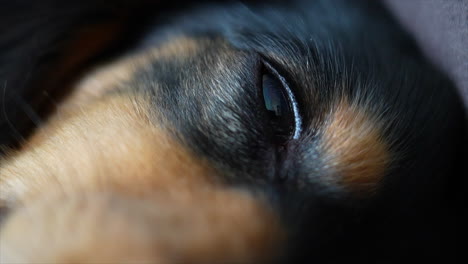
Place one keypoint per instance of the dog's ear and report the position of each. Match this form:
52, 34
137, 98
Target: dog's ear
43, 47
46, 45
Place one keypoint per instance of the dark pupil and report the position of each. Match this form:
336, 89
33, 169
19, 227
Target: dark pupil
278, 107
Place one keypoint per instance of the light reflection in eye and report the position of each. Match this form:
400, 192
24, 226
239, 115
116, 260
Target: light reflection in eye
275, 99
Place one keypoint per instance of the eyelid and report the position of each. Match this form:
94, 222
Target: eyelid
291, 98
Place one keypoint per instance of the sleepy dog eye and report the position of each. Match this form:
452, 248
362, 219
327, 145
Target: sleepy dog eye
280, 106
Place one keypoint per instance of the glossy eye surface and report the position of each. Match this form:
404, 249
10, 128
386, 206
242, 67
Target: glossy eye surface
280, 105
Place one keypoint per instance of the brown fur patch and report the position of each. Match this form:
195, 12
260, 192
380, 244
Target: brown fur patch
104, 184
354, 148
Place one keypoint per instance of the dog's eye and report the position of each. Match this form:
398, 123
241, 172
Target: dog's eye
280, 105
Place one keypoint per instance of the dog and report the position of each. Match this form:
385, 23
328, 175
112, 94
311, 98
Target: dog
255, 132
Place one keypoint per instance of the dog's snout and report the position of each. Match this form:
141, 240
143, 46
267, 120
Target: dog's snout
128, 193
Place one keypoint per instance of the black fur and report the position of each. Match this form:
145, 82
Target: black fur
325, 49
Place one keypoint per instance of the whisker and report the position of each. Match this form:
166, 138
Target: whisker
15, 131
29, 111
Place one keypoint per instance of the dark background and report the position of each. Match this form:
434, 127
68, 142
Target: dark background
441, 29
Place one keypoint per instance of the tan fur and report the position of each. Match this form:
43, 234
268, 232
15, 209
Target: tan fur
106, 78
100, 145
188, 227
354, 147
104, 184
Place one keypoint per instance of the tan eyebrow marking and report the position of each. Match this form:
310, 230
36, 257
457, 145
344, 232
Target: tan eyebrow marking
355, 150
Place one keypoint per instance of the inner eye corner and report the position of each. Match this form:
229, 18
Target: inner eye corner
280, 104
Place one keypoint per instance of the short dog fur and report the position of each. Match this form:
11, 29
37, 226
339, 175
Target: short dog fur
140, 133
